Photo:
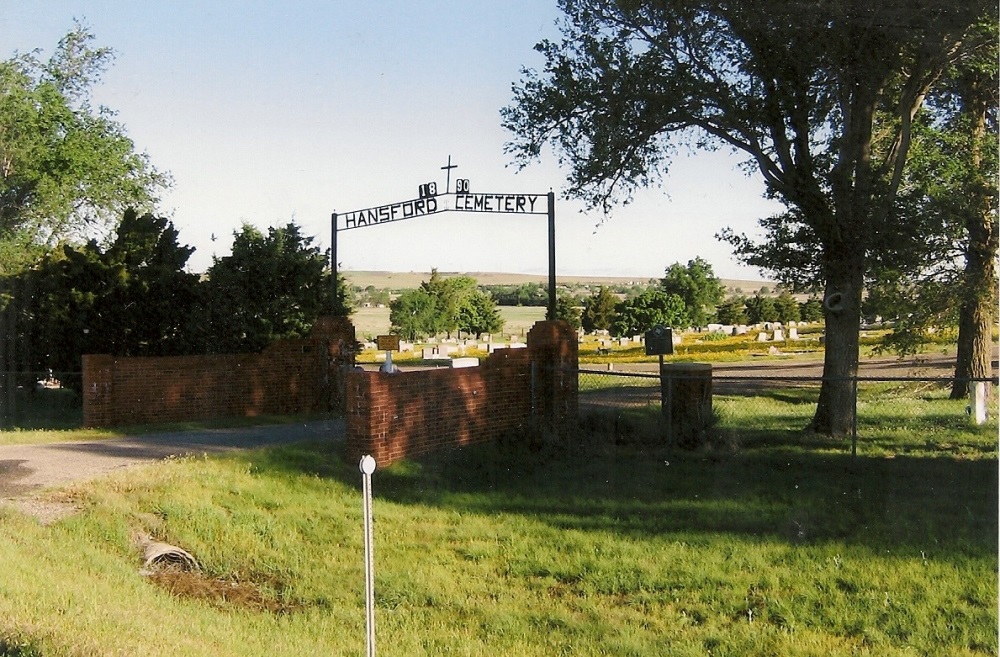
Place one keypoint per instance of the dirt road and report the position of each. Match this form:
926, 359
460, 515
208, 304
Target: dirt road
25, 469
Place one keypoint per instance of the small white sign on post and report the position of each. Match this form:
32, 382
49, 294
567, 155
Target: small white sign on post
367, 467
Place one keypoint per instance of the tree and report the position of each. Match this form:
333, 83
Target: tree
697, 285
414, 314
68, 170
811, 310
271, 286
599, 310
732, 311
948, 276
450, 296
800, 88
786, 308
568, 311
761, 309
132, 299
652, 307
479, 314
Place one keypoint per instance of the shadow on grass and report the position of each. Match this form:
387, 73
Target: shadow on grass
907, 505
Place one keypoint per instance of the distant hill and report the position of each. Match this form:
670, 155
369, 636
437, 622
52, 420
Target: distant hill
410, 280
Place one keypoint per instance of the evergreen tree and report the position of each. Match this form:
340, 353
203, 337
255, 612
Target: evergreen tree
599, 310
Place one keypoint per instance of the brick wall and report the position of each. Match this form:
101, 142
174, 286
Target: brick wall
289, 377
391, 416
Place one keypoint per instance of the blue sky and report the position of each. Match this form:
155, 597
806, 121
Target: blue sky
268, 112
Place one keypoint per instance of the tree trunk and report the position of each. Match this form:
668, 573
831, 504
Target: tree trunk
842, 314
975, 326
978, 313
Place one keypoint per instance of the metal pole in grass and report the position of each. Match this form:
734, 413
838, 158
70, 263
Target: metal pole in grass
367, 467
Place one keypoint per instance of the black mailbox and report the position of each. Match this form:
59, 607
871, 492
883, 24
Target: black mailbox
659, 341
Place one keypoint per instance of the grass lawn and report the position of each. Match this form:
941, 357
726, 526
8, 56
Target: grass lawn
784, 546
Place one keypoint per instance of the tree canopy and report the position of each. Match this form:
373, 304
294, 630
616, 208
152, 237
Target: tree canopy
444, 305
651, 308
132, 298
599, 310
68, 170
820, 97
271, 286
697, 285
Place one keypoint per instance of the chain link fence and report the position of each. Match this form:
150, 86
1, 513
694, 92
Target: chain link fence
891, 415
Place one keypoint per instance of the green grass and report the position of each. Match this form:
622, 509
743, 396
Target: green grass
784, 546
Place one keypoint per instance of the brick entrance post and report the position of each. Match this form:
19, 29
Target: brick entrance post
554, 352
341, 342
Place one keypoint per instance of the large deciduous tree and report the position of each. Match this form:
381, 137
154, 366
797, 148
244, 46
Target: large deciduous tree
697, 285
651, 308
800, 88
68, 170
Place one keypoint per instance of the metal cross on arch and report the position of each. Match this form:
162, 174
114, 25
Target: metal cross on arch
463, 199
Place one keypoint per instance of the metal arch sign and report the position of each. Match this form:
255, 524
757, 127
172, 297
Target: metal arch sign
429, 202
457, 202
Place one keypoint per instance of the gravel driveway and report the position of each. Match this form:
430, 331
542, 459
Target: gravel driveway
26, 469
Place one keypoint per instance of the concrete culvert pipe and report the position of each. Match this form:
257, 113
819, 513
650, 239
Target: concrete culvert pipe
159, 555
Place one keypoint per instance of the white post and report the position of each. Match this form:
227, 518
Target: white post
367, 467
977, 394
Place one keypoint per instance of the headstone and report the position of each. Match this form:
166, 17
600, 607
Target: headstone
779, 335
464, 362
622, 342
741, 329
793, 333
762, 336
518, 345
445, 350
428, 352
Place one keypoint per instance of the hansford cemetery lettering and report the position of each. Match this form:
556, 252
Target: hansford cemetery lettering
391, 212
464, 202
507, 203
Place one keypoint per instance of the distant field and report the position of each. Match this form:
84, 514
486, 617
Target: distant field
370, 322
410, 280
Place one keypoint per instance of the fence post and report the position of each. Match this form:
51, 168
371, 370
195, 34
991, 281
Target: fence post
854, 420
977, 401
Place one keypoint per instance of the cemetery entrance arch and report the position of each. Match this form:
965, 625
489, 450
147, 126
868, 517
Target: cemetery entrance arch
463, 199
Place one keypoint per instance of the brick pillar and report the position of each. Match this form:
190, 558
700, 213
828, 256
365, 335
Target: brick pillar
554, 351
338, 333
98, 391
368, 417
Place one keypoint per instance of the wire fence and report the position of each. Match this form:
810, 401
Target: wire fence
897, 415
891, 415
